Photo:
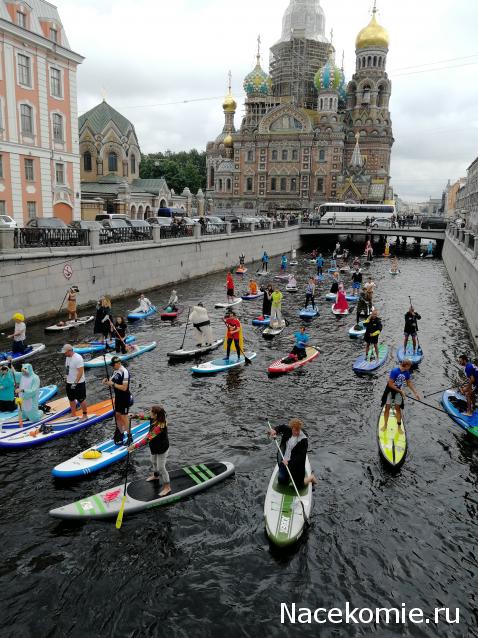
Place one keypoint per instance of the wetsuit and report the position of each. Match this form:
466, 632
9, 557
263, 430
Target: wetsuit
411, 325
373, 328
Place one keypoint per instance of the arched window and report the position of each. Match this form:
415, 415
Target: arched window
374, 60
133, 164
249, 184
364, 62
112, 162
219, 184
211, 178
369, 60
87, 161
228, 184
274, 155
366, 95
321, 155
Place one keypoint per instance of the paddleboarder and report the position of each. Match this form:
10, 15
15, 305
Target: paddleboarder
341, 303
471, 386
265, 262
276, 309
202, 325
7, 388
173, 302
363, 308
310, 293
120, 329
411, 328
292, 282
72, 303
242, 259
233, 334
319, 262
373, 328
369, 287
158, 441
75, 380
267, 300
19, 334
27, 392
394, 393
119, 382
394, 265
252, 287
144, 304
104, 318
298, 351
294, 446
230, 287
283, 263
357, 279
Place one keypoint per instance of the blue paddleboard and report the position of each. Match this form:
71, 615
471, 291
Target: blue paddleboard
367, 366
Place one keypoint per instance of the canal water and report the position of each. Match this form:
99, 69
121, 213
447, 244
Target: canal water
204, 568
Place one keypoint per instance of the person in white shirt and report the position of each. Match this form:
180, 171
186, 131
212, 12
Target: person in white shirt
369, 287
144, 304
19, 334
75, 380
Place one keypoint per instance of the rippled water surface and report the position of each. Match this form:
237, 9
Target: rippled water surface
204, 567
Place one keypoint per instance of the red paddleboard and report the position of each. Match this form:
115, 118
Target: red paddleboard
278, 367
171, 315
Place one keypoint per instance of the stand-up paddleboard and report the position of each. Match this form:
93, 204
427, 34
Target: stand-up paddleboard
258, 295
134, 316
220, 365
344, 269
189, 353
332, 270
394, 272
367, 314
228, 304
331, 296
290, 288
320, 278
45, 394
169, 314
98, 346
29, 352
340, 313
241, 271
369, 365
357, 332
142, 495
283, 514
98, 362
99, 456
282, 277
309, 312
392, 444
273, 330
455, 406
293, 263
68, 325
281, 367
414, 357
263, 320
56, 428
59, 407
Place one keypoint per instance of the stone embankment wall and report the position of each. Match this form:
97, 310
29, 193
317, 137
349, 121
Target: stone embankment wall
460, 255
33, 282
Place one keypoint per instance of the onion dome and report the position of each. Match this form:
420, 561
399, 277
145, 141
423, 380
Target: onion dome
229, 105
373, 35
330, 77
258, 82
228, 141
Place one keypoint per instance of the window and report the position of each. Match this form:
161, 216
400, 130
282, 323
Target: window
58, 128
55, 83
112, 162
60, 173
273, 183
219, 184
3, 207
295, 154
320, 184
211, 177
321, 155
53, 34
293, 184
87, 161
24, 70
132, 162
274, 155
29, 170
228, 184
250, 156
285, 123
21, 19
26, 117
32, 210
283, 184
249, 183
1, 167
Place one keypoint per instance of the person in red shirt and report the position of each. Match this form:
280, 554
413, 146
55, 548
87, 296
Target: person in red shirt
230, 287
234, 330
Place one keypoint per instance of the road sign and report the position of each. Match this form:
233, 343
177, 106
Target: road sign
67, 271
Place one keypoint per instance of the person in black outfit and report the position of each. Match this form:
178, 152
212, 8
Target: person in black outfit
294, 445
411, 328
267, 300
373, 328
363, 308
120, 329
334, 288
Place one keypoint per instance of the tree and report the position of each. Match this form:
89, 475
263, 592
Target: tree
185, 168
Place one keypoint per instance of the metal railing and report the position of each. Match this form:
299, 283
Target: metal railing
47, 237
279, 223
293, 221
213, 229
173, 232
125, 235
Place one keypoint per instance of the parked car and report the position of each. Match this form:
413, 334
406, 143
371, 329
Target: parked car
159, 221
213, 224
102, 216
33, 235
6, 220
381, 223
88, 224
434, 222
46, 222
460, 223
140, 227
234, 220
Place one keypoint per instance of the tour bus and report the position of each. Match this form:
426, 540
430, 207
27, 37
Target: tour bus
354, 213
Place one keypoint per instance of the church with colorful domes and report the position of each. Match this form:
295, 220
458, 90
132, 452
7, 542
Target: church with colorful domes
306, 135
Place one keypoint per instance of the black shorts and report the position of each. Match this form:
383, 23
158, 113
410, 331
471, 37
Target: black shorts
230, 292
122, 403
391, 396
78, 393
372, 341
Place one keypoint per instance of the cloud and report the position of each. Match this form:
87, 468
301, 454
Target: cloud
149, 53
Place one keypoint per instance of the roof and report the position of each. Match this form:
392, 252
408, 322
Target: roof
152, 185
111, 184
40, 10
101, 115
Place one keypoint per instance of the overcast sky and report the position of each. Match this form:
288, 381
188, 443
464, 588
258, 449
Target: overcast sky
147, 53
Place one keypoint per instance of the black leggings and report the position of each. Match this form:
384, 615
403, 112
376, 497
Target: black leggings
236, 343
120, 346
309, 297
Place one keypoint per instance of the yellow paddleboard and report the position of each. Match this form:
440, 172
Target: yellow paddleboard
391, 443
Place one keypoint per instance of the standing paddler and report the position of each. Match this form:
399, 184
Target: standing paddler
202, 325
373, 328
119, 382
233, 334
294, 446
394, 393
267, 300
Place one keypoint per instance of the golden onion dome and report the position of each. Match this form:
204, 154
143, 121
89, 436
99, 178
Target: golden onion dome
373, 35
229, 105
228, 141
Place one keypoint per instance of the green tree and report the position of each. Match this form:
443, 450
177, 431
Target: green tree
185, 168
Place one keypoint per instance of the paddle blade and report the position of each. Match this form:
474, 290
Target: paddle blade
119, 519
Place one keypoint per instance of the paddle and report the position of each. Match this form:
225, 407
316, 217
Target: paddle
306, 520
431, 394
59, 309
419, 348
185, 329
247, 361
428, 405
119, 519
127, 347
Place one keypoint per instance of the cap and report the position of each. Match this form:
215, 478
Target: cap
18, 316
115, 360
66, 348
